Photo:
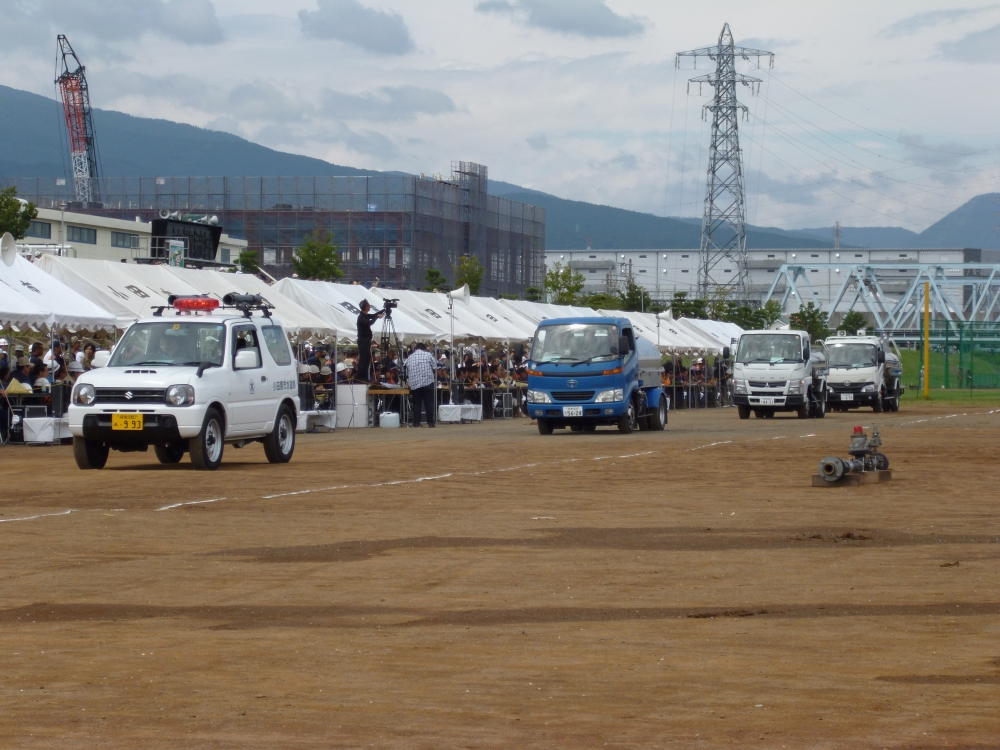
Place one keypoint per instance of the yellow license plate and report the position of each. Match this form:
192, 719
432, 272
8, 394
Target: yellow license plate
126, 421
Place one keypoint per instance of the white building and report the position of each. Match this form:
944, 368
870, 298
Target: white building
664, 272
98, 238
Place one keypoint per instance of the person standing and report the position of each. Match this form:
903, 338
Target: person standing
420, 368
365, 320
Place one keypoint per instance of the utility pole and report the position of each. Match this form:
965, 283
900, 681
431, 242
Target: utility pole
836, 236
723, 229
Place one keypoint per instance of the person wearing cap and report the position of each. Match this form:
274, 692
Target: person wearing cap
22, 374
420, 367
344, 373
53, 358
17, 380
325, 377
40, 377
75, 371
4, 357
365, 336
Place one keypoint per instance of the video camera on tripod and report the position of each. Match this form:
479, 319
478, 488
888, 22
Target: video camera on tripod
388, 305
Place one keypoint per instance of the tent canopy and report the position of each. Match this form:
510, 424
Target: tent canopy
37, 300
431, 309
341, 302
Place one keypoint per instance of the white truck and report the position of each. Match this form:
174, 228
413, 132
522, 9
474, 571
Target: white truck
190, 382
864, 371
779, 371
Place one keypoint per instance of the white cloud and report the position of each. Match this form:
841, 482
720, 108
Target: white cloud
588, 18
930, 19
392, 103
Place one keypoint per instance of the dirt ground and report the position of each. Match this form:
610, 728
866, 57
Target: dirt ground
481, 586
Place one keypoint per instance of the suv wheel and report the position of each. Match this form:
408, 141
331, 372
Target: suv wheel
90, 454
206, 448
171, 453
280, 443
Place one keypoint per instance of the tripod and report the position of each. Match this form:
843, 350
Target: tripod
386, 342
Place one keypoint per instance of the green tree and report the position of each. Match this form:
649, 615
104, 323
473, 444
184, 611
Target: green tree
533, 294
682, 307
317, 258
768, 313
812, 319
564, 284
603, 301
434, 279
15, 217
854, 321
249, 261
469, 271
635, 297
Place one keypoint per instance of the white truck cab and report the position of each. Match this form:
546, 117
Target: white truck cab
189, 381
863, 371
779, 371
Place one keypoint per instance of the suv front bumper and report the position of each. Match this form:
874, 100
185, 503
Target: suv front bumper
160, 426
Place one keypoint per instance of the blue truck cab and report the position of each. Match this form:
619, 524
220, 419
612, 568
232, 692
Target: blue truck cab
585, 372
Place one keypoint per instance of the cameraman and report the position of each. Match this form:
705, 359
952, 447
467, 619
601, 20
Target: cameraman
365, 320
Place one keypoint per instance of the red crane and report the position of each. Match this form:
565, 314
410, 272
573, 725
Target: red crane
72, 85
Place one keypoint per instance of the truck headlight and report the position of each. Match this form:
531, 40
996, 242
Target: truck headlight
607, 396
870, 388
180, 395
539, 397
741, 386
84, 394
795, 386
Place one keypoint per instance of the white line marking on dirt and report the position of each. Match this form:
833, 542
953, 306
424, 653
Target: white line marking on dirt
497, 471
543, 518
710, 445
811, 434
193, 502
780, 437
633, 455
40, 515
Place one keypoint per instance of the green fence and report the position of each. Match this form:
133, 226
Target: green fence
970, 353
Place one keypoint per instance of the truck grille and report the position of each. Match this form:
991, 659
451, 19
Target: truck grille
852, 388
131, 396
767, 383
572, 395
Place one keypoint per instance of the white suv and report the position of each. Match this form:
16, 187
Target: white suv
190, 382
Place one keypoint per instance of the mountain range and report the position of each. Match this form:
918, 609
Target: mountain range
32, 145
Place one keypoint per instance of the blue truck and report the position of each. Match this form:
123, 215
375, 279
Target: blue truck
585, 372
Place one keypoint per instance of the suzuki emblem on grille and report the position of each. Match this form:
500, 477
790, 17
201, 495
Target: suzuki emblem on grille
572, 383
847, 382
128, 395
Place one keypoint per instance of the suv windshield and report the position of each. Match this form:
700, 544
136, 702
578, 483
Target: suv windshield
575, 342
851, 355
170, 344
769, 347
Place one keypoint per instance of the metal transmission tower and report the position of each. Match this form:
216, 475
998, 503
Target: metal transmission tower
723, 229
75, 95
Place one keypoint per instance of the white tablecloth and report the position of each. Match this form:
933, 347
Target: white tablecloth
352, 406
449, 413
45, 429
472, 413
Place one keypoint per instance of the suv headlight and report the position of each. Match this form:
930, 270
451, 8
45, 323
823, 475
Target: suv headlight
605, 397
740, 385
539, 397
795, 386
180, 395
870, 388
84, 394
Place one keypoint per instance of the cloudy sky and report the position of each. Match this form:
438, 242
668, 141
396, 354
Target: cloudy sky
875, 113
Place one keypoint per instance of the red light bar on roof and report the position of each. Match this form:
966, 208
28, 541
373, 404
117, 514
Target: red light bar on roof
196, 304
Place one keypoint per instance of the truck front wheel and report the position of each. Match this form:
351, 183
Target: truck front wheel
878, 406
658, 419
744, 411
627, 422
544, 427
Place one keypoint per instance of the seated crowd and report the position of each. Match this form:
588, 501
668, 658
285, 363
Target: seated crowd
43, 366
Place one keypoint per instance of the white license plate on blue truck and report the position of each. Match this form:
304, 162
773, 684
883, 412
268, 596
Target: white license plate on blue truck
572, 411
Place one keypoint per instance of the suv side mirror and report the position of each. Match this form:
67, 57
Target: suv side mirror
880, 357
101, 359
246, 359
623, 346
725, 352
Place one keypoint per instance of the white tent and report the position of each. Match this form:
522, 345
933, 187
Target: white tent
431, 308
128, 291
539, 311
670, 338
340, 302
45, 301
513, 326
296, 320
713, 330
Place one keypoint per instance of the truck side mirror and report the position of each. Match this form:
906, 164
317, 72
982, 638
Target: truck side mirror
880, 357
518, 352
725, 352
623, 346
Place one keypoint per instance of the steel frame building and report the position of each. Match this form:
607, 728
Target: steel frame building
389, 227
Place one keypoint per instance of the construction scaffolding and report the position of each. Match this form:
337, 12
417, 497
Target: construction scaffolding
389, 227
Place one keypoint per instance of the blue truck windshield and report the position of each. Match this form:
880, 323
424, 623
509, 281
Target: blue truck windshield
575, 342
